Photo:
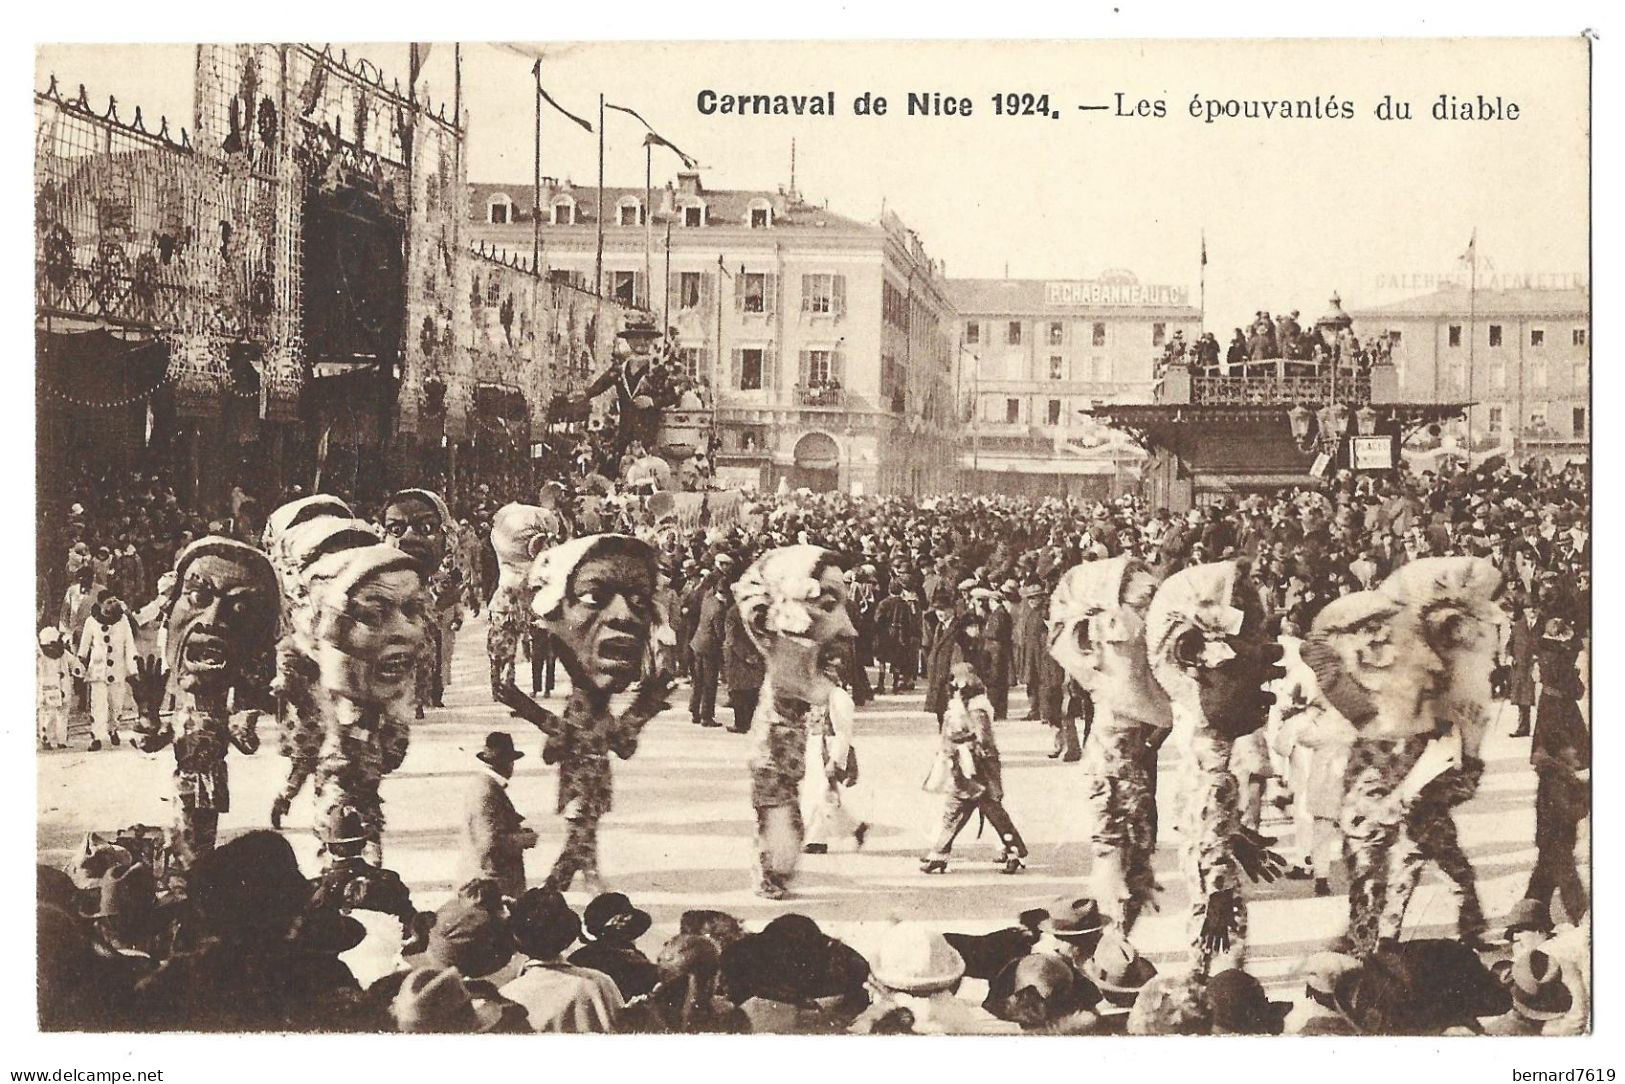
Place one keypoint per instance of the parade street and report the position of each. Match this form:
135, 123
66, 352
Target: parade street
679, 835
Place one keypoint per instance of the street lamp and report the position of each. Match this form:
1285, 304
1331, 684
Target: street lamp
1300, 419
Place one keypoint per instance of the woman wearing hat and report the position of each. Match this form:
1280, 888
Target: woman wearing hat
915, 969
611, 926
968, 772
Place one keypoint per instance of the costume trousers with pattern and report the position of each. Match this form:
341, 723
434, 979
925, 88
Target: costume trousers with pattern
53, 724
193, 835
579, 853
501, 647
780, 834
1433, 829
1122, 815
958, 812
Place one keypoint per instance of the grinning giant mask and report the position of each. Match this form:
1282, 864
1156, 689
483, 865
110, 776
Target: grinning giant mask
415, 522
288, 516
1208, 648
308, 542
367, 622
1453, 599
792, 602
1374, 665
1097, 633
222, 617
596, 596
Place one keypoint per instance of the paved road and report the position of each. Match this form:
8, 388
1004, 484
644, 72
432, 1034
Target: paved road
680, 833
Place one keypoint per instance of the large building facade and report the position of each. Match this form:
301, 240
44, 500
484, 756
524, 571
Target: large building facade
1033, 354
1521, 357
827, 343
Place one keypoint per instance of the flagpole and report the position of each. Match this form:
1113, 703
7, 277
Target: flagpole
1202, 280
648, 189
598, 260
536, 180
1472, 331
665, 296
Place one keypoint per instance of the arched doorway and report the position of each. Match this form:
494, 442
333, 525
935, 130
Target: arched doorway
817, 463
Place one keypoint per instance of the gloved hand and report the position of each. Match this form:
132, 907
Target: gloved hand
147, 687
1257, 861
1220, 920
533, 713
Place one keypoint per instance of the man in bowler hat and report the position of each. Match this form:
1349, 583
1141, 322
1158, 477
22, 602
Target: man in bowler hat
495, 838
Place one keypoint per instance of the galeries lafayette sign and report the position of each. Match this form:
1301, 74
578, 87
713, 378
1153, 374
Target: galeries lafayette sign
1113, 293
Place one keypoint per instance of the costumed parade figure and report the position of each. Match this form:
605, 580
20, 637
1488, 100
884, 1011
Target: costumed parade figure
54, 671
518, 533
296, 535
793, 605
969, 772
832, 764
415, 522
641, 388
1455, 597
1096, 631
107, 653
1206, 643
595, 595
221, 630
1375, 667
365, 625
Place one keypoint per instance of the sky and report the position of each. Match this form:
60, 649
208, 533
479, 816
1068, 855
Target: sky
1291, 210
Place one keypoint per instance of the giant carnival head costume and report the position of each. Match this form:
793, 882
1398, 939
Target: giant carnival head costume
1096, 630
1454, 601
415, 522
365, 622
1374, 665
1205, 637
518, 533
222, 616
288, 516
595, 594
792, 601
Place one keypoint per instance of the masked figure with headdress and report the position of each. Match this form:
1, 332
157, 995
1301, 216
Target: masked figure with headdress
518, 533
297, 535
792, 603
416, 522
1376, 667
364, 625
595, 595
1096, 631
1207, 646
221, 630
1455, 599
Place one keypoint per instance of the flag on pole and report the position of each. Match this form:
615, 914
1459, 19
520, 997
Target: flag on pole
1472, 249
536, 70
654, 138
418, 53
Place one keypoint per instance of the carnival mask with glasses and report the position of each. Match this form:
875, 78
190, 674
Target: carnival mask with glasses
415, 523
222, 616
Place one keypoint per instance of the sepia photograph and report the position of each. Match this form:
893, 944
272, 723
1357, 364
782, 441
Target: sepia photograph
873, 537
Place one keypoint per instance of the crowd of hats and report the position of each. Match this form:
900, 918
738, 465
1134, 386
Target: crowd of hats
243, 944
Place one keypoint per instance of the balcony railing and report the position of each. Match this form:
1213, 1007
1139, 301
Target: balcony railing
1280, 390
820, 396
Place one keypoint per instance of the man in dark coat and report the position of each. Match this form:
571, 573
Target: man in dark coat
1523, 640
897, 637
708, 643
743, 669
997, 651
494, 834
641, 388
955, 639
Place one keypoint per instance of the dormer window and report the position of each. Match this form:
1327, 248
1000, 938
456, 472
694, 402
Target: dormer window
694, 215
564, 211
630, 212
499, 211
761, 215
